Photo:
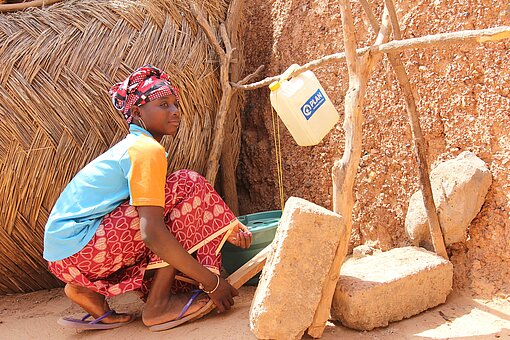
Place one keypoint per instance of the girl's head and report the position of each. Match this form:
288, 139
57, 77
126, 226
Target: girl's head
148, 98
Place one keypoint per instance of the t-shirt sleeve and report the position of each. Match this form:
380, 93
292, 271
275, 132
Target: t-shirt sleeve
147, 174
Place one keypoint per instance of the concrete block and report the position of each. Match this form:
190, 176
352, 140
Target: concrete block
390, 286
291, 283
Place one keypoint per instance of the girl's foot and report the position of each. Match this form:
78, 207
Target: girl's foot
240, 236
166, 311
94, 303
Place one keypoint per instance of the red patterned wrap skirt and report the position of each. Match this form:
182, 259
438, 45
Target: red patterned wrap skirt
116, 258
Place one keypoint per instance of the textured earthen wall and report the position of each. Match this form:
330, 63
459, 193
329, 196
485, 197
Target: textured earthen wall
464, 103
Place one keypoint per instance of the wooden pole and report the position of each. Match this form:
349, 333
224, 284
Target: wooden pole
344, 170
221, 117
420, 145
429, 41
233, 120
225, 57
419, 142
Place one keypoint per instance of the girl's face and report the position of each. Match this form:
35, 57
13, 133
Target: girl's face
161, 116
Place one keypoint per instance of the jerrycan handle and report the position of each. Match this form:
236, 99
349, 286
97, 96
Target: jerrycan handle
288, 72
275, 85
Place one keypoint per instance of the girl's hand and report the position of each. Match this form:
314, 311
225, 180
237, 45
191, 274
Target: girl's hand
240, 236
223, 296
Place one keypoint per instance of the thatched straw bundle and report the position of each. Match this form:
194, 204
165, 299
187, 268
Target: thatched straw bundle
57, 65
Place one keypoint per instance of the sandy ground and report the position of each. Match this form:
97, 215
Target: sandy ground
34, 315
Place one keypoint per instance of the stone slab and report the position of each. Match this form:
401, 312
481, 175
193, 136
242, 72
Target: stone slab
291, 283
390, 286
459, 187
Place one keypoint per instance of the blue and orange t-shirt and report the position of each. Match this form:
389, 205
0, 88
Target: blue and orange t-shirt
134, 168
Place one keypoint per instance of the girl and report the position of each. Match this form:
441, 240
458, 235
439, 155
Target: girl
122, 211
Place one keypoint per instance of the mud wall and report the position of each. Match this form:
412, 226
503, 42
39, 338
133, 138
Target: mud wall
464, 104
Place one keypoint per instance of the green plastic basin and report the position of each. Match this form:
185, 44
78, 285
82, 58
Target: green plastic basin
263, 227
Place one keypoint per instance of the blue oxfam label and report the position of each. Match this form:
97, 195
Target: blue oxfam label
313, 103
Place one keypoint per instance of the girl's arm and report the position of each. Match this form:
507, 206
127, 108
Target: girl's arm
158, 238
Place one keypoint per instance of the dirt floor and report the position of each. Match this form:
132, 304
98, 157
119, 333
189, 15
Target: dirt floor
34, 316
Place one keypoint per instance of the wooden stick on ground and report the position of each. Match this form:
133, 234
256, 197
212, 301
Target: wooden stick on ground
344, 170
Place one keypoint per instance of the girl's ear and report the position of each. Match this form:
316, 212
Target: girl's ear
135, 111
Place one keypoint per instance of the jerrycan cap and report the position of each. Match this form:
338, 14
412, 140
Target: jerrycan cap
275, 85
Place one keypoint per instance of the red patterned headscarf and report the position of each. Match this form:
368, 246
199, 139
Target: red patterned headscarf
147, 83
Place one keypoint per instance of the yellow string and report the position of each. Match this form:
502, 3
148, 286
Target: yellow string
278, 154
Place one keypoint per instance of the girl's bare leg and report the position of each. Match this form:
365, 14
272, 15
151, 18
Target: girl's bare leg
93, 303
163, 306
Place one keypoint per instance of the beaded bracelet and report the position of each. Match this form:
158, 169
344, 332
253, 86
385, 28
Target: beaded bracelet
201, 286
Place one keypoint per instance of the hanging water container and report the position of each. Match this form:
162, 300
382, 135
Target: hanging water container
263, 227
303, 106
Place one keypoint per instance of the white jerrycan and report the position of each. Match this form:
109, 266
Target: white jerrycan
303, 106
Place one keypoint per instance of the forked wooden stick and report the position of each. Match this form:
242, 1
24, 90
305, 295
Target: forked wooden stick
225, 57
344, 170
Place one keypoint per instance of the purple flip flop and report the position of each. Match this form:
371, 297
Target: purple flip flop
180, 319
96, 324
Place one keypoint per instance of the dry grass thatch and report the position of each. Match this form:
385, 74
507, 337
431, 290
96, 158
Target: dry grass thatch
55, 112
